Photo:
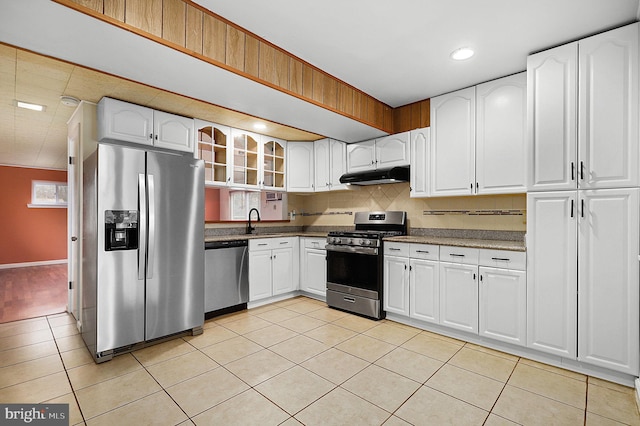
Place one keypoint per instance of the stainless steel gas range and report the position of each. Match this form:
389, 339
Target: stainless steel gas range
355, 262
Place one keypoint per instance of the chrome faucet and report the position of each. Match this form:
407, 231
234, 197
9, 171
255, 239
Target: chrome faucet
249, 227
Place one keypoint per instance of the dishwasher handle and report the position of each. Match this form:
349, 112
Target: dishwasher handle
213, 245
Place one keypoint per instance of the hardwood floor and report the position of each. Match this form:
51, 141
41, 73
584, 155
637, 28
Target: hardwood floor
33, 291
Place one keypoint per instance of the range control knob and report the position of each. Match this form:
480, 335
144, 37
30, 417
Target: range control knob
365, 242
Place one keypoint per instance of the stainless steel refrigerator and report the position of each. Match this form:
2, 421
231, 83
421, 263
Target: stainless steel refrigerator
143, 248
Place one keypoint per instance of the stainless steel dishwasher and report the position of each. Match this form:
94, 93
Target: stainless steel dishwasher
226, 277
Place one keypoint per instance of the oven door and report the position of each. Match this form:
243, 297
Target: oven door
351, 271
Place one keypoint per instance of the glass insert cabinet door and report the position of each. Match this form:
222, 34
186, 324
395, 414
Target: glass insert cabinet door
273, 165
214, 149
245, 158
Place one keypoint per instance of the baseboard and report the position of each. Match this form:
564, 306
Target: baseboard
26, 264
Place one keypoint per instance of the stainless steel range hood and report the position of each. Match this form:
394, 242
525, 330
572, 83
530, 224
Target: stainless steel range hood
377, 177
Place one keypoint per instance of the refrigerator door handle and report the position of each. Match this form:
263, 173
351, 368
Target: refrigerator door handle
152, 225
142, 202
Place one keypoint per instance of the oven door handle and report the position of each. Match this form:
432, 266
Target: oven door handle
351, 249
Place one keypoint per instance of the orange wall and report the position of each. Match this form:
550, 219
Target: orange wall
211, 204
30, 235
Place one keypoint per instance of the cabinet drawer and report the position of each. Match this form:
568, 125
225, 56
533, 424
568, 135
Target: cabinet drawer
396, 249
424, 251
504, 259
260, 244
270, 243
315, 243
466, 255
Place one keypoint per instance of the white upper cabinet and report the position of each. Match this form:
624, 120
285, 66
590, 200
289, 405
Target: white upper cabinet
453, 138
172, 131
337, 163
272, 170
300, 166
383, 153
608, 109
123, 121
330, 163
361, 156
126, 122
392, 151
213, 143
246, 159
478, 139
322, 163
552, 116
608, 319
583, 132
420, 162
501, 109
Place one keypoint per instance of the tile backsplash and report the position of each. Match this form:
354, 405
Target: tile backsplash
491, 212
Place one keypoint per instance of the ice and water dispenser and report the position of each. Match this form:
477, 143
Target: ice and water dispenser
121, 230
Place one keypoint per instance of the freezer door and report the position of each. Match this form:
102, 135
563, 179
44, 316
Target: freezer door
120, 292
175, 255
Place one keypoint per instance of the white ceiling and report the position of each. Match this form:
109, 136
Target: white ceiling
398, 51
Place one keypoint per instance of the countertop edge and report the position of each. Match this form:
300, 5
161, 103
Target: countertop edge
460, 242
441, 241
242, 237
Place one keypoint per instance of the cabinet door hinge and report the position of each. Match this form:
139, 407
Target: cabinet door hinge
70, 160
70, 285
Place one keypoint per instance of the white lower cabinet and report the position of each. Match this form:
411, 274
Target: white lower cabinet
411, 280
583, 276
503, 304
313, 266
396, 285
424, 292
608, 319
459, 296
552, 268
272, 267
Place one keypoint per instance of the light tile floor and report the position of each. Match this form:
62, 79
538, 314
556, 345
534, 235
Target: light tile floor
299, 362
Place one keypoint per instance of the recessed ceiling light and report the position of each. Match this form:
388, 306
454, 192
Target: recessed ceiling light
27, 105
259, 126
69, 101
462, 53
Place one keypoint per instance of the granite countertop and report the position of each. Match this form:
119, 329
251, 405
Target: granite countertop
254, 236
461, 242
442, 241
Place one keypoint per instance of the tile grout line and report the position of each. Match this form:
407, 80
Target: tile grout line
66, 372
504, 386
395, 346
